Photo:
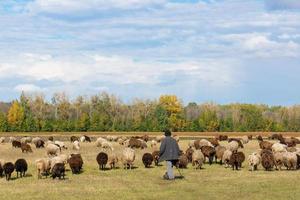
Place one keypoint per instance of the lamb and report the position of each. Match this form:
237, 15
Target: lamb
102, 159
245, 139
61, 144
226, 157
75, 162
52, 149
182, 161
58, 170
219, 153
8, 169
2, 139
112, 160
254, 160
43, 167
290, 160
155, 155
267, 159
16, 144
21, 167
74, 138
208, 152
76, 145
147, 159
278, 147
197, 159
236, 159
26, 148
128, 157
189, 153
200, 143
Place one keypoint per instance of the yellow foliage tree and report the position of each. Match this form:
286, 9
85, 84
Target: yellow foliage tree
15, 115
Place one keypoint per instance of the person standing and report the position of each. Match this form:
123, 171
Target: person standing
169, 152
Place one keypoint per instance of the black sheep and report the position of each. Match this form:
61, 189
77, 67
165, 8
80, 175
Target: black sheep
267, 159
58, 170
147, 159
21, 166
40, 144
8, 169
1, 171
102, 159
87, 138
16, 144
75, 162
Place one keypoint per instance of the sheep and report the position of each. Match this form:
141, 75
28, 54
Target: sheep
16, 144
52, 149
74, 138
182, 161
213, 141
40, 144
208, 152
137, 143
112, 160
62, 158
43, 167
107, 145
8, 169
237, 140
11, 139
233, 146
160, 138
147, 159
197, 159
219, 153
155, 155
245, 139
226, 157
265, 145
290, 160
153, 144
75, 162
35, 139
254, 160
61, 144
21, 166
267, 159
191, 143
278, 160
189, 153
250, 137
128, 157
200, 143
2, 140
274, 136
50, 138
236, 159
26, 139
102, 159
222, 137
26, 148
99, 141
58, 170
278, 147
259, 138
76, 145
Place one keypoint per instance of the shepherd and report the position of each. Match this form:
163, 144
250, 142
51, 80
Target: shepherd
169, 152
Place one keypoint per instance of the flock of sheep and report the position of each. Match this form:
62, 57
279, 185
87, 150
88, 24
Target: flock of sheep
282, 152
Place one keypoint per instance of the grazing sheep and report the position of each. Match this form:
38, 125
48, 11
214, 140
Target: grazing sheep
236, 159
16, 144
26, 139
182, 161
267, 159
226, 157
254, 160
112, 160
76, 145
40, 144
8, 169
233, 146
245, 139
11, 139
219, 153
102, 159
237, 140
26, 148
278, 147
99, 141
43, 167
147, 159
136, 143
208, 152
290, 160
153, 144
61, 144
128, 157
58, 170
52, 150
278, 160
265, 145
189, 153
213, 141
200, 143
21, 167
197, 159
75, 162
62, 158
155, 155
2, 139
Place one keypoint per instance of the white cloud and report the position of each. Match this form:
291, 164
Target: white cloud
27, 88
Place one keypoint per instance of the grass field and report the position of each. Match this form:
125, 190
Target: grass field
213, 182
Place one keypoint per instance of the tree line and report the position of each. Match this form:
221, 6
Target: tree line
106, 112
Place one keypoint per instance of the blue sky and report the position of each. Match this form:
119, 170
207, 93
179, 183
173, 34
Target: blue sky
210, 50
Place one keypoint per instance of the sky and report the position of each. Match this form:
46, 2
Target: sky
224, 51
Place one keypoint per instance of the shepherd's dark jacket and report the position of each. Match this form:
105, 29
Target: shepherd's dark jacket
169, 149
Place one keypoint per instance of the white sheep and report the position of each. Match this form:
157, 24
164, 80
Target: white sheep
245, 139
254, 160
99, 141
128, 157
232, 146
159, 138
107, 145
153, 144
43, 166
226, 157
76, 145
62, 158
205, 142
290, 160
52, 149
278, 147
26, 140
197, 159
278, 159
82, 139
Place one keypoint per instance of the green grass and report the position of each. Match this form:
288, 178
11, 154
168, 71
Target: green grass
213, 182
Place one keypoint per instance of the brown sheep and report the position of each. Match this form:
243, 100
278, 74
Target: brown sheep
189, 153
287, 141
182, 161
147, 159
74, 138
236, 160
136, 143
250, 137
265, 145
102, 159
222, 137
267, 159
208, 152
259, 138
16, 144
155, 155
75, 162
26, 148
213, 141
219, 153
